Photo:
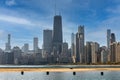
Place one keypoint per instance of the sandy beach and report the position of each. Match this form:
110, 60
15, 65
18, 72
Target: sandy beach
56, 69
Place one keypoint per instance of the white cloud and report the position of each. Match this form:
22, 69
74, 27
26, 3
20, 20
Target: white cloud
29, 23
10, 2
13, 19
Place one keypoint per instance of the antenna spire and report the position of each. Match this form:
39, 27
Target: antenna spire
55, 7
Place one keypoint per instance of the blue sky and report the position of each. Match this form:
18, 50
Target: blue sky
25, 19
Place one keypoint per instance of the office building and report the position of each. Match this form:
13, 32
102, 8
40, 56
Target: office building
94, 52
35, 45
104, 55
65, 48
17, 54
115, 52
108, 38
47, 41
88, 52
8, 44
113, 38
57, 34
25, 48
9, 58
118, 53
80, 56
73, 47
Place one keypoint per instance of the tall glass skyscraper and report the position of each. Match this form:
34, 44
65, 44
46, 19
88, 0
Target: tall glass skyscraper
47, 41
73, 47
80, 54
113, 38
108, 38
35, 45
8, 44
57, 34
88, 52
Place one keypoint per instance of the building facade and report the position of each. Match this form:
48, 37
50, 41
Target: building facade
47, 41
25, 48
94, 51
88, 52
73, 47
80, 54
108, 38
35, 45
113, 39
8, 44
57, 35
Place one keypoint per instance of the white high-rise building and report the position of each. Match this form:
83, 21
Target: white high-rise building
118, 53
73, 47
94, 51
115, 52
104, 55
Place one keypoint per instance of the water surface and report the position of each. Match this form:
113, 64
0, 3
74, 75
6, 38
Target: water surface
84, 75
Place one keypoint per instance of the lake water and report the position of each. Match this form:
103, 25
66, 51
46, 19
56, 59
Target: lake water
84, 75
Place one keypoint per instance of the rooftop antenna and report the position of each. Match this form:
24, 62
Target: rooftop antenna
55, 7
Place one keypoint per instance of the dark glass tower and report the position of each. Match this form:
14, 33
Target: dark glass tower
57, 34
108, 38
113, 38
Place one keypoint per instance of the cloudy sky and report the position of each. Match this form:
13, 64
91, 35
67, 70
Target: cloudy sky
25, 19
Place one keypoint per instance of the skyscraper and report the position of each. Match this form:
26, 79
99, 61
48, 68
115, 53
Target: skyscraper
73, 47
88, 52
111, 56
108, 38
26, 48
57, 34
109, 43
113, 38
47, 41
35, 45
65, 48
118, 53
80, 56
17, 54
113, 52
104, 54
8, 44
94, 51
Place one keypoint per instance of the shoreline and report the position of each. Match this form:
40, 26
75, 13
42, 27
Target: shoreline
56, 69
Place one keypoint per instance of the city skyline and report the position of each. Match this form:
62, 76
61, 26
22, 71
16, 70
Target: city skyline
97, 17
55, 51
